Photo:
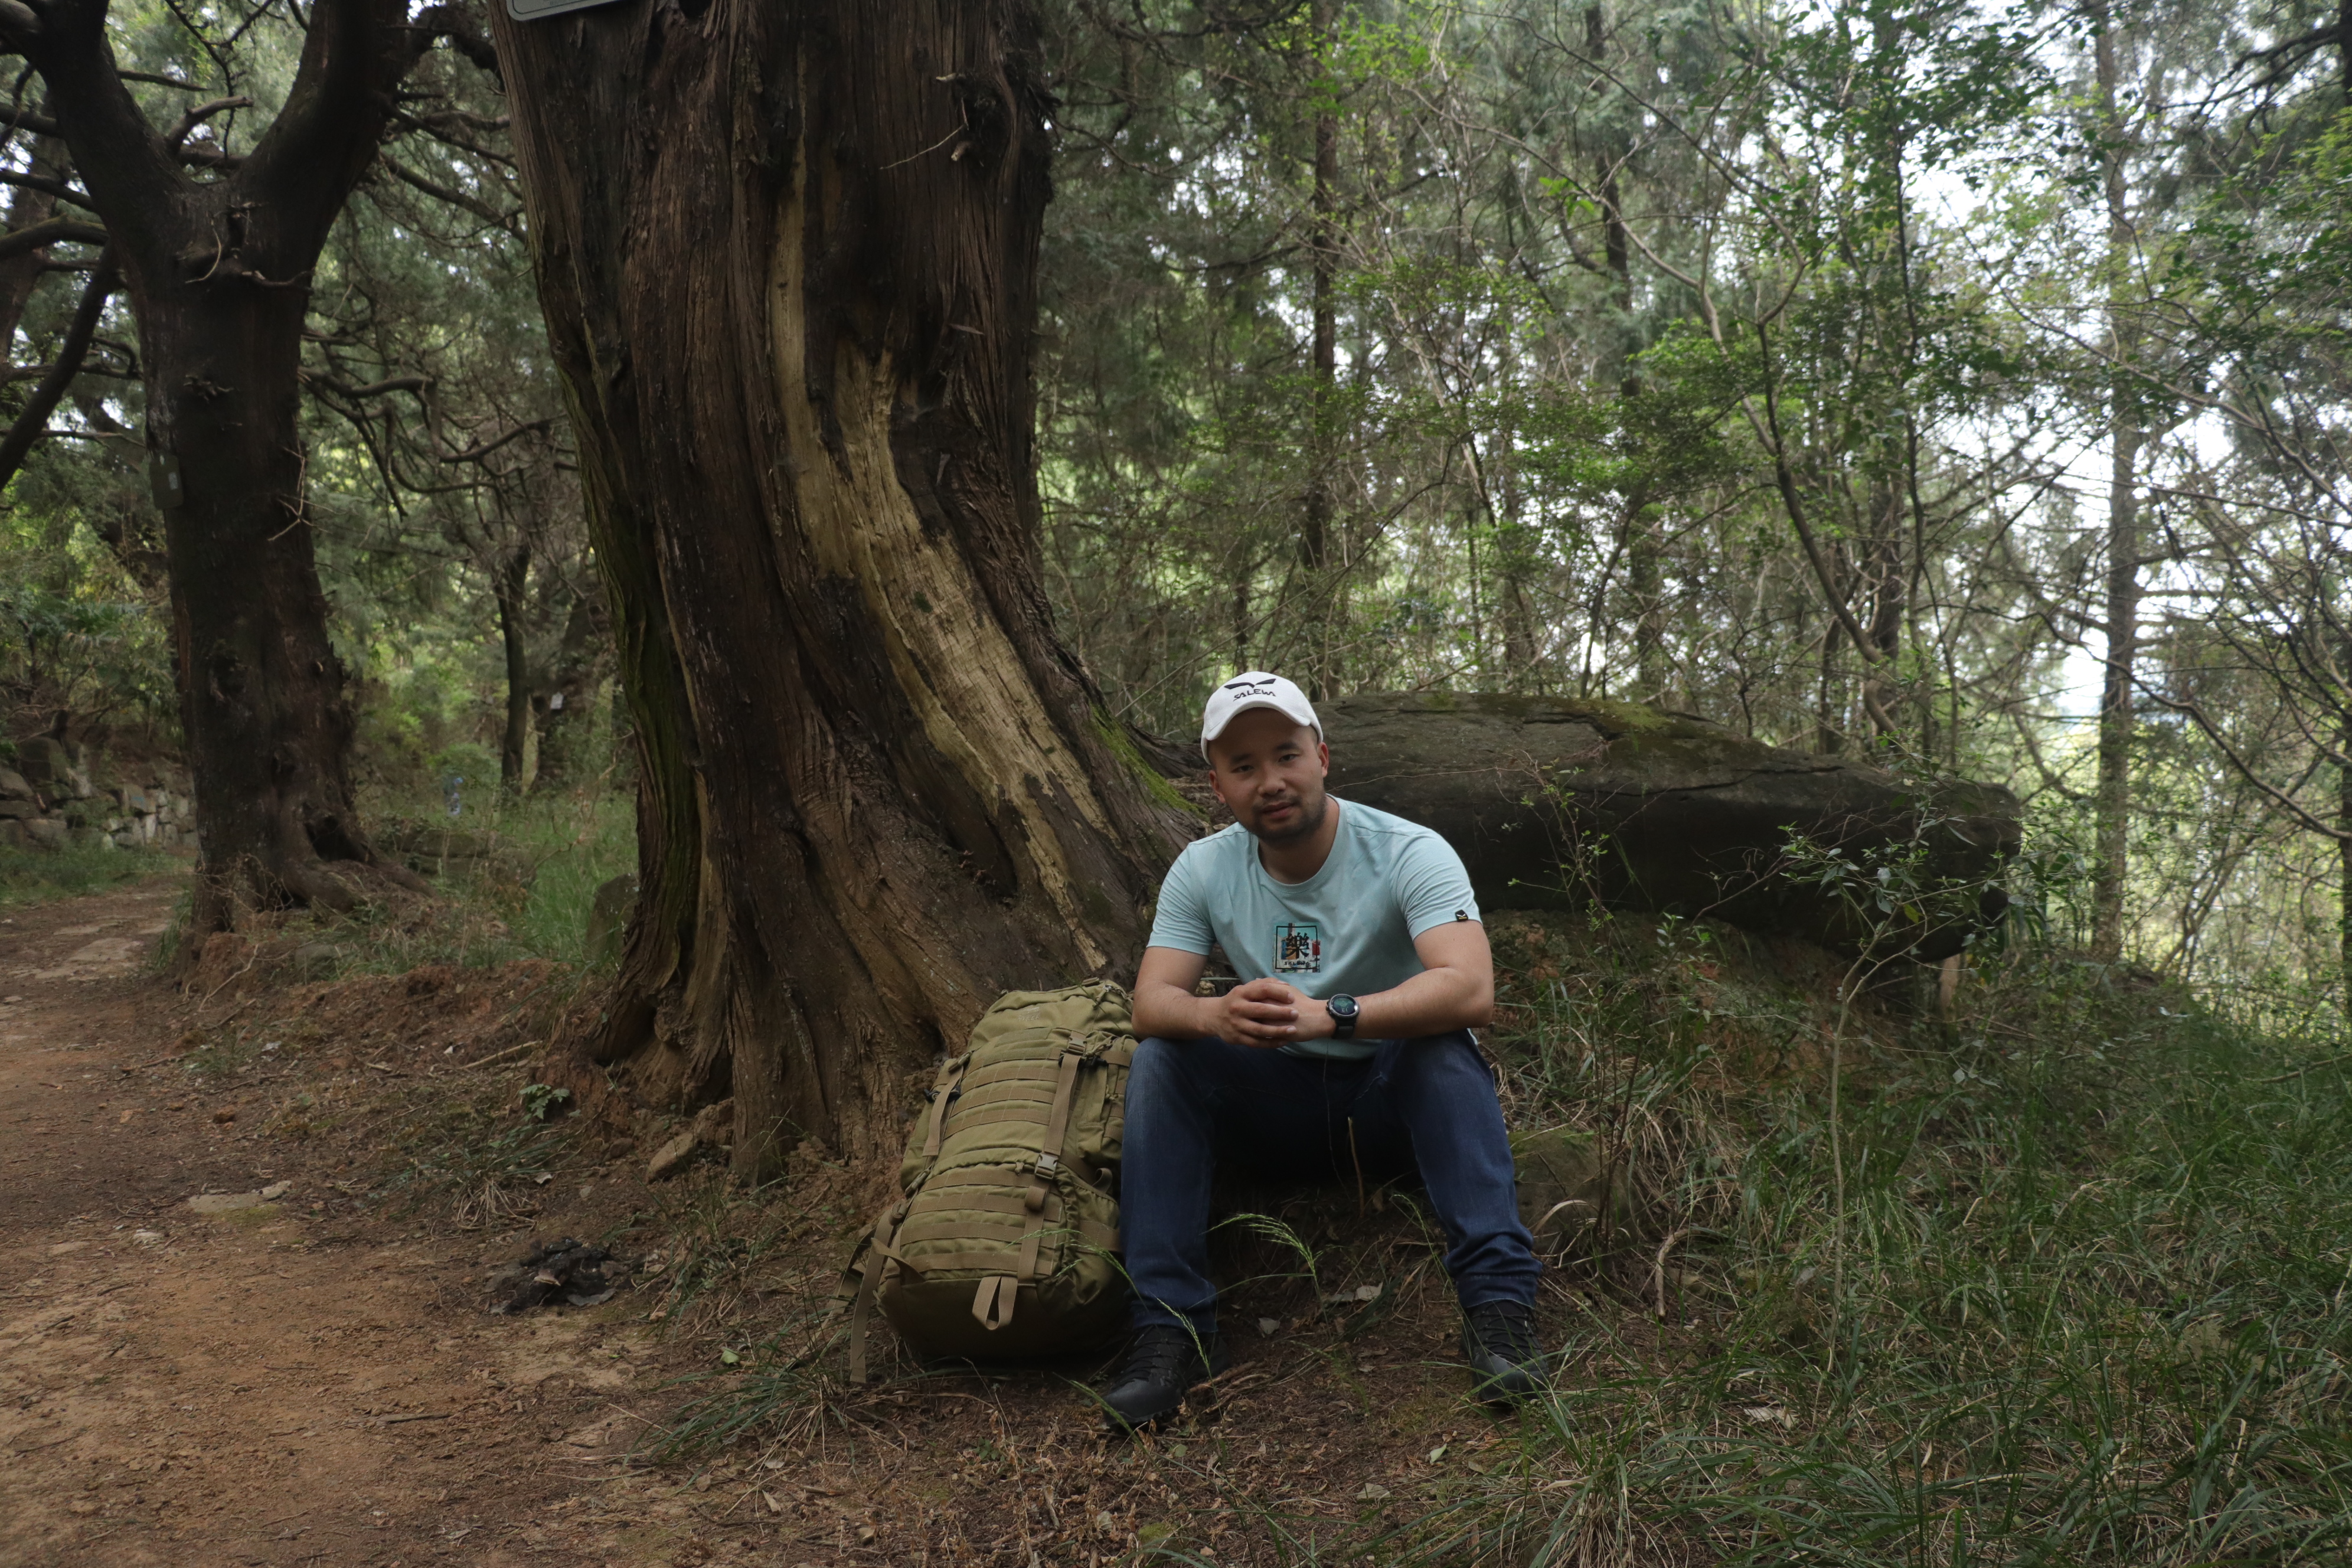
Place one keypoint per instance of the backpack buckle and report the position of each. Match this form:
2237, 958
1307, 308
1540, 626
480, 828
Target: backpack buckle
1048, 1165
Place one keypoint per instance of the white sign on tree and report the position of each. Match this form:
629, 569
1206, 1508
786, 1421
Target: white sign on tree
537, 10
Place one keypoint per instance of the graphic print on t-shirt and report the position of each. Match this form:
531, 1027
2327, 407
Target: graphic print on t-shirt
1297, 947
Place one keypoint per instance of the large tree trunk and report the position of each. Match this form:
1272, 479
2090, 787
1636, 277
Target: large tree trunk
219, 273
261, 692
789, 281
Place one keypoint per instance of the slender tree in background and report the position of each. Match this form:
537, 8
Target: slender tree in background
788, 254
219, 271
2120, 621
429, 349
1319, 504
1637, 523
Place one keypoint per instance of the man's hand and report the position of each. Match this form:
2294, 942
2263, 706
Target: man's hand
1264, 1013
1454, 990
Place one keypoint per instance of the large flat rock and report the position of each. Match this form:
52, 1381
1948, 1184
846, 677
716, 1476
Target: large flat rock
1554, 803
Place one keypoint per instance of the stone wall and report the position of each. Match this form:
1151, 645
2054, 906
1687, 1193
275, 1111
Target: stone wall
59, 793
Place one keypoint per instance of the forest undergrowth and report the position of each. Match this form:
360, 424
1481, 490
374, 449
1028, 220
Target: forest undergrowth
2062, 1279
2083, 1298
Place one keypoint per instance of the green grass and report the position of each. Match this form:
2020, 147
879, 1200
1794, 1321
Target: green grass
30, 876
481, 1151
571, 844
770, 1380
2084, 1300
578, 842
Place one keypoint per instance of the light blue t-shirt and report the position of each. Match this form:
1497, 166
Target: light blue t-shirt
1347, 931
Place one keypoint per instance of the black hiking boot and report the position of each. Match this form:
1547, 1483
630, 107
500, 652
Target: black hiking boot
1499, 1340
1163, 1365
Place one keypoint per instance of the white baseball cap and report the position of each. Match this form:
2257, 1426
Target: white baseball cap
1255, 689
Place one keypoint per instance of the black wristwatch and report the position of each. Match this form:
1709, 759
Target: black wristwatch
1343, 1011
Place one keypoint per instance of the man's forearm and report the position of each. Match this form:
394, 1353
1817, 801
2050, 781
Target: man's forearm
1434, 1002
1170, 1013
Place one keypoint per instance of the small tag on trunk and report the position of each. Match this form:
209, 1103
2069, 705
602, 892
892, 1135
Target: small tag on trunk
164, 479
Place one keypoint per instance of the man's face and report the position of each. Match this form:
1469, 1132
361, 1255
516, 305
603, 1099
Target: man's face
1269, 772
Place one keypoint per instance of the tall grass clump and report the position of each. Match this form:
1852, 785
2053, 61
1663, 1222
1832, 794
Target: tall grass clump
2062, 1278
528, 899
574, 843
30, 876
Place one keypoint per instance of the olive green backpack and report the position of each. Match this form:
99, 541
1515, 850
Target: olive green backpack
1003, 1243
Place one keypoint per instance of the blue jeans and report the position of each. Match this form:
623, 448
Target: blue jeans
1427, 1102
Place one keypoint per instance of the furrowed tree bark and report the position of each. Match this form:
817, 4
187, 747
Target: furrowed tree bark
787, 254
218, 272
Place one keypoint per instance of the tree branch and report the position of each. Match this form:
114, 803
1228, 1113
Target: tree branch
314, 151
160, 81
1872, 656
49, 187
198, 115
456, 198
132, 178
476, 453
452, 23
33, 421
2287, 804
343, 389
355, 56
50, 231
31, 120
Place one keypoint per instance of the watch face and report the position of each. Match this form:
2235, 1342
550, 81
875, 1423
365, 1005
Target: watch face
1342, 1006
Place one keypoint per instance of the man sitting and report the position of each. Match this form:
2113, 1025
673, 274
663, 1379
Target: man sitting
1348, 1048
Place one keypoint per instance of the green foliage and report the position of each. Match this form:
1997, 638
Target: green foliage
538, 1099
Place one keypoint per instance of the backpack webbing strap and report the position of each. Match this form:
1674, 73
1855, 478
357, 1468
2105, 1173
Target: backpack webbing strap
942, 1093
987, 1254
1049, 1158
878, 1256
992, 1303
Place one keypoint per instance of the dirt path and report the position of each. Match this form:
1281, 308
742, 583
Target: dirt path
260, 1385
